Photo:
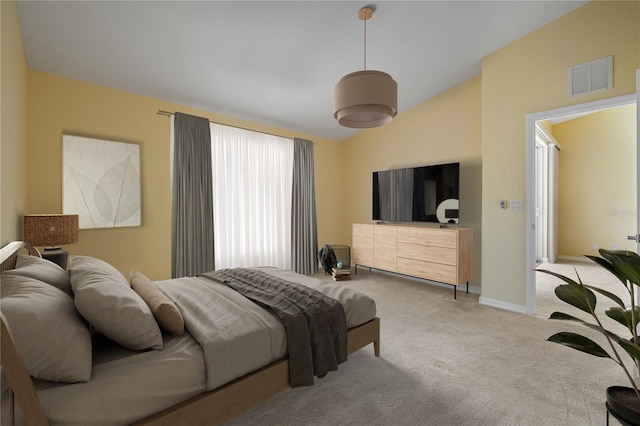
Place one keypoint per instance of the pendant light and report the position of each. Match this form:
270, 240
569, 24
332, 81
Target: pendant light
367, 98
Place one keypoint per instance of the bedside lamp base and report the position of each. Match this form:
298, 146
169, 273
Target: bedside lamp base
56, 255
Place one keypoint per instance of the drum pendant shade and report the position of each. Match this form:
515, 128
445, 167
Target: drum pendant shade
366, 98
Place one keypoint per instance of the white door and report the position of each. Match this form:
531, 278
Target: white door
552, 206
540, 207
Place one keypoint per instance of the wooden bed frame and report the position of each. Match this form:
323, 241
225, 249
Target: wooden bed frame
210, 408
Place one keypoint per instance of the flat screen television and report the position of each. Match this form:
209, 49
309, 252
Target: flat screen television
417, 194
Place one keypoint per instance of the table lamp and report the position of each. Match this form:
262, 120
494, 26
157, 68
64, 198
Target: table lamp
52, 231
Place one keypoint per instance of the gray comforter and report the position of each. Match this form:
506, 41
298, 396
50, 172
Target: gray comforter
315, 324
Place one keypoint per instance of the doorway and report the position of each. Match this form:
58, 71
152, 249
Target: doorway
539, 228
594, 192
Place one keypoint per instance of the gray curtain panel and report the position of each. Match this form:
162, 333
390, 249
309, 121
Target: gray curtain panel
304, 229
192, 199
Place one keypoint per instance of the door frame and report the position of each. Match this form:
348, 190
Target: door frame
638, 162
530, 145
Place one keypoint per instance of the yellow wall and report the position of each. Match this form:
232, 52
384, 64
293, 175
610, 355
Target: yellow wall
528, 76
445, 129
13, 124
480, 123
58, 105
597, 181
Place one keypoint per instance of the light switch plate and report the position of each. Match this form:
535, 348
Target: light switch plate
515, 205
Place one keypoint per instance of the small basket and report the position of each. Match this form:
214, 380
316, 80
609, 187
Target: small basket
343, 253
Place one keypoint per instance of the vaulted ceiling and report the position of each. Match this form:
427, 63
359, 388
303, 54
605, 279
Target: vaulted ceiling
272, 62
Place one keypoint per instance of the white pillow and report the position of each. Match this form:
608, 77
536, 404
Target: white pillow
43, 270
104, 298
52, 338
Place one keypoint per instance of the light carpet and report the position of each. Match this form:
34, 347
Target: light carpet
449, 362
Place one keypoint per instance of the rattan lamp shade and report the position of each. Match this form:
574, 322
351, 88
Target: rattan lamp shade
51, 230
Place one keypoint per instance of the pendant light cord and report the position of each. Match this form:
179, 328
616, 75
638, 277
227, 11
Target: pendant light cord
365, 44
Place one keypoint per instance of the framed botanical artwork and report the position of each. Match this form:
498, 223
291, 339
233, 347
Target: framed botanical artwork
101, 182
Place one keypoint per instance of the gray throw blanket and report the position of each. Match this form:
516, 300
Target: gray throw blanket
315, 324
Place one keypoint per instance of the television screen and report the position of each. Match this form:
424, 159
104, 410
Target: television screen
417, 194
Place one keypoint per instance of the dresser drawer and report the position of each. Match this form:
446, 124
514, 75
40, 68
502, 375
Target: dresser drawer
432, 271
444, 255
425, 236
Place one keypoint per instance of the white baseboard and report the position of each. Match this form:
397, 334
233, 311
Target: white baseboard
503, 305
575, 259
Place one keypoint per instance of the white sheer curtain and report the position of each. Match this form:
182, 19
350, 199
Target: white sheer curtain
252, 181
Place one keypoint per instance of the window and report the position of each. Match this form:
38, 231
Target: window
252, 184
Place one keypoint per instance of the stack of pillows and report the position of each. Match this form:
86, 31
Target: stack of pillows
52, 313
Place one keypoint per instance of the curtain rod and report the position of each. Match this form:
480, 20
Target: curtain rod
169, 114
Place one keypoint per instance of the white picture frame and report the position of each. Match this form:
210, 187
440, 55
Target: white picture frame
101, 182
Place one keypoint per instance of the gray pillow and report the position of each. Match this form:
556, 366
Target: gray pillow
42, 270
52, 338
104, 298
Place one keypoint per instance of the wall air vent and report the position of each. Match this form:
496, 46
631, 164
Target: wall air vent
591, 76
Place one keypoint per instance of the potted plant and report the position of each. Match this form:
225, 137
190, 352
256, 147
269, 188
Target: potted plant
623, 402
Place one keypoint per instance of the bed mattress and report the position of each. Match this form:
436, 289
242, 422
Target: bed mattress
125, 385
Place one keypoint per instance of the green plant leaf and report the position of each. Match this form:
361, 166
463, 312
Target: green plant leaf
623, 316
626, 263
607, 294
631, 348
578, 296
562, 277
608, 266
562, 316
567, 317
596, 327
579, 343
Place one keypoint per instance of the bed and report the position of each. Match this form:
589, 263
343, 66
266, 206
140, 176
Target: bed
168, 386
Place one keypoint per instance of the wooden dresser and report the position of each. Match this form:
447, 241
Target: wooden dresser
437, 254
